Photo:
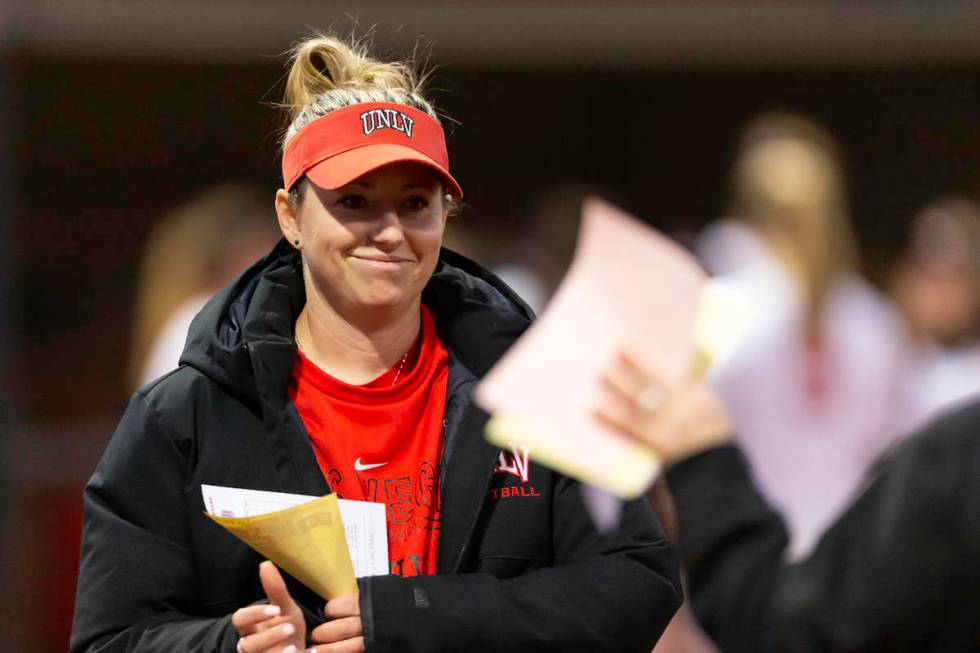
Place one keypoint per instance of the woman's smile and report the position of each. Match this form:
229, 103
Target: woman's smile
374, 242
382, 262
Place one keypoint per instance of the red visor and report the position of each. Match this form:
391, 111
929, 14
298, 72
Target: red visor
341, 146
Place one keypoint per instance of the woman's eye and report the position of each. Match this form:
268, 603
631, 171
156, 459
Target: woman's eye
415, 203
352, 201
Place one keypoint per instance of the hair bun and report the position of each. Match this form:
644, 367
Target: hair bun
325, 63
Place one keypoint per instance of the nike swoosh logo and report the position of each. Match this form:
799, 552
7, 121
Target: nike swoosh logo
359, 466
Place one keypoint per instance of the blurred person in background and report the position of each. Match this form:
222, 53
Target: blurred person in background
937, 288
194, 251
811, 388
896, 571
343, 361
536, 261
473, 236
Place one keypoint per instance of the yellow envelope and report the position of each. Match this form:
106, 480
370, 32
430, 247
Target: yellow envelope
306, 541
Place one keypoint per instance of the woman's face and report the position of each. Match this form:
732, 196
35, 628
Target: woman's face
374, 243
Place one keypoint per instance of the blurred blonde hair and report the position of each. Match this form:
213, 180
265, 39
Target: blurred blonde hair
789, 187
184, 255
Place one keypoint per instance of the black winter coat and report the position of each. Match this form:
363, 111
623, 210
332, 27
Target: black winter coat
898, 571
520, 570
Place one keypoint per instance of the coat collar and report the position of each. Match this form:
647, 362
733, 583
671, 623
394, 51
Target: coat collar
243, 338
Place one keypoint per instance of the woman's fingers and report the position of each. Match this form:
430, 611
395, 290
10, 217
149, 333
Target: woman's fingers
337, 630
342, 634
633, 376
627, 383
275, 587
633, 401
629, 426
355, 645
623, 412
343, 606
285, 633
252, 619
267, 639
687, 420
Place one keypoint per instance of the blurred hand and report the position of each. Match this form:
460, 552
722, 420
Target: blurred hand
342, 634
676, 422
278, 627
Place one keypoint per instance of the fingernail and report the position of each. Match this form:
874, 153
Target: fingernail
289, 649
287, 630
239, 647
272, 610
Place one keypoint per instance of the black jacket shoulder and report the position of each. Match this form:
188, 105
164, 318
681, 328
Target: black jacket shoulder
891, 574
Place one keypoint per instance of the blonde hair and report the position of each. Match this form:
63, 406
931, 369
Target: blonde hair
327, 73
185, 254
789, 187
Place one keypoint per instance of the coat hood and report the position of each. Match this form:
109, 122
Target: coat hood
243, 337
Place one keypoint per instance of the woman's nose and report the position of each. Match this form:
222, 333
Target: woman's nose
388, 228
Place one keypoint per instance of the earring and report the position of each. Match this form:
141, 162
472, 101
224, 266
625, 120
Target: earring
296, 242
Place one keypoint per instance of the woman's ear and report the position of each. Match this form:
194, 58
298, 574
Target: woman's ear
447, 207
288, 220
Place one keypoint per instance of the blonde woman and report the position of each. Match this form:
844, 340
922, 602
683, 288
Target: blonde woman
812, 390
193, 252
345, 361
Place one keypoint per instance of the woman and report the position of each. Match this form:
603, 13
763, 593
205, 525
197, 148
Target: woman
194, 251
812, 386
345, 360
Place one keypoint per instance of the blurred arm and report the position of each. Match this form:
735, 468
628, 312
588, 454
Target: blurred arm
888, 575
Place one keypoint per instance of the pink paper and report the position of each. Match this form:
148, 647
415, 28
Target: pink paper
628, 288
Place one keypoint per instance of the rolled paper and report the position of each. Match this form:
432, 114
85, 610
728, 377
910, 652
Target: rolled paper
306, 541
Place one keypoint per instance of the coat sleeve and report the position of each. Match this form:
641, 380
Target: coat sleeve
603, 594
137, 580
880, 579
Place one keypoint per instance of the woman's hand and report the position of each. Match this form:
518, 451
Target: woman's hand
342, 634
278, 627
676, 422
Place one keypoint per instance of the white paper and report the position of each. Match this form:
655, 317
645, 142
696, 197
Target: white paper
364, 521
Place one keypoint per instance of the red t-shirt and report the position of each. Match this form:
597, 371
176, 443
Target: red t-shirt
382, 442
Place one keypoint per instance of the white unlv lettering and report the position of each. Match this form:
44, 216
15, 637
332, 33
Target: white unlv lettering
516, 465
386, 119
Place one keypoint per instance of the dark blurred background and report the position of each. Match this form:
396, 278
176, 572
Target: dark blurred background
112, 113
